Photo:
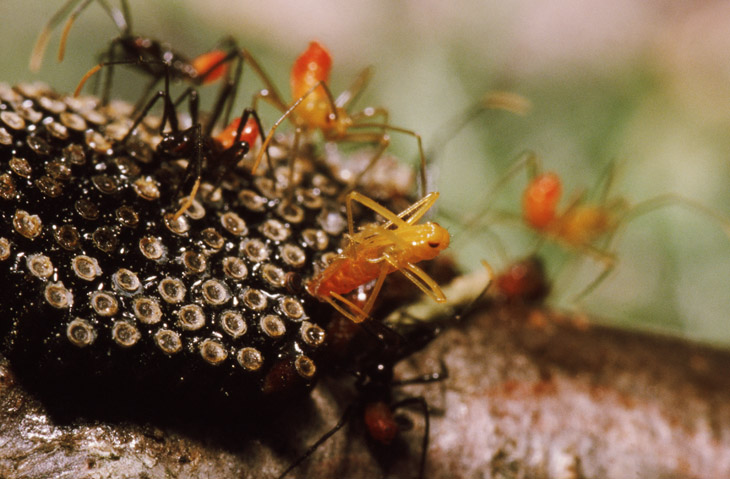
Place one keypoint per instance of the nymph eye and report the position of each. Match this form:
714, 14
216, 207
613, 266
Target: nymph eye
434, 244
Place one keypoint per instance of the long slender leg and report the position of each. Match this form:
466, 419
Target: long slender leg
577, 199
398, 129
106, 84
150, 86
527, 160
110, 68
218, 106
370, 113
609, 263
187, 93
358, 316
672, 199
638, 210
420, 401
383, 144
418, 277
230, 157
169, 109
39, 49
491, 101
355, 313
606, 181
424, 282
233, 85
160, 94
353, 92
416, 211
67, 28
272, 94
108, 77
376, 289
410, 215
310, 450
169, 113
229, 56
194, 172
406, 217
228, 91
373, 205
289, 111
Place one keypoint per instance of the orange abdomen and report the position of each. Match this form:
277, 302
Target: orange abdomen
523, 281
584, 224
206, 61
342, 276
312, 66
250, 131
380, 422
540, 200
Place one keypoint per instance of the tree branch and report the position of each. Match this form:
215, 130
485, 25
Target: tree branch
530, 393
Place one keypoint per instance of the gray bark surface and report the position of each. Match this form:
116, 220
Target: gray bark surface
529, 394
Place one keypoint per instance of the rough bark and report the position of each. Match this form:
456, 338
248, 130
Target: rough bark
530, 393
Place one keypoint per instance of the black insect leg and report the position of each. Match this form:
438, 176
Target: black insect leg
108, 57
169, 112
146, 92
226, 97
233, 82
421, 402
343, 420
228, 160
112, 58
194, 170
141, 116
220, 101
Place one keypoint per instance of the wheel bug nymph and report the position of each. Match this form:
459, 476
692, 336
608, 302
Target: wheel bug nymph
378, 347
523, 281
207, 296
589, 227
376, 409
314, 108
150, 56
379, 249
224, 150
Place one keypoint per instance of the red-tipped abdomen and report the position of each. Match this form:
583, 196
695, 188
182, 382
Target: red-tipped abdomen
250, 131
523, 281
342, 276
312, 66
206, 61
541, 200
380, 422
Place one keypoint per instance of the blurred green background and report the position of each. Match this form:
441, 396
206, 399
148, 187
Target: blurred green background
646, 84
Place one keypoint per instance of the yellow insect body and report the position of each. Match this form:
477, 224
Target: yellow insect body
378, 250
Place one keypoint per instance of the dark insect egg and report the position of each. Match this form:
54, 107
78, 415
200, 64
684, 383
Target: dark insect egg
105, 288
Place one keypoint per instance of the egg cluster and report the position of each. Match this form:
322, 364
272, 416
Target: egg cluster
100, 279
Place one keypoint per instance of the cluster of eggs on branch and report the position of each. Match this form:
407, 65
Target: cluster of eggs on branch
99, 275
